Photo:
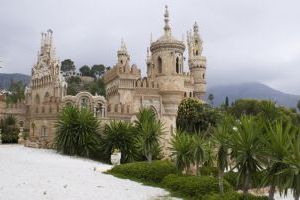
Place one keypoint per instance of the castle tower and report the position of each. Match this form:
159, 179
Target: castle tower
43, 97
123, 56
167, 52
197, 62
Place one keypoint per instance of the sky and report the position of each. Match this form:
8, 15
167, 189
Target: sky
243, 40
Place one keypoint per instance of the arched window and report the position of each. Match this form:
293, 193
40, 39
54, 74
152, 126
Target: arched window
44, 132
46, 97
177, 65
203, 75
191, 94
197, 52
37, 99
84, 102
159, 65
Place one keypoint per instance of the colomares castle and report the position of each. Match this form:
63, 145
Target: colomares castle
165, 85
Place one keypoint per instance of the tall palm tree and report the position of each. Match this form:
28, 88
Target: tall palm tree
198, 148
277, 146
246, 145
292, 171
221, 136
181, 143
149, 130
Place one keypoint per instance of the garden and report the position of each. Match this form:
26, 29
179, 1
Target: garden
229, 152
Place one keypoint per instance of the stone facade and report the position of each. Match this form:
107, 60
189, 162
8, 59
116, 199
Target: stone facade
165, 85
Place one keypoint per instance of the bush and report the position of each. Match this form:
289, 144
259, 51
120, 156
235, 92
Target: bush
194, 186
233, 196
143, 171
209, 171
119, 135
10, 137
76, 132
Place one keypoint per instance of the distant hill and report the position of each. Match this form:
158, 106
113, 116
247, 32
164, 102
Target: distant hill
5, 79
252, 90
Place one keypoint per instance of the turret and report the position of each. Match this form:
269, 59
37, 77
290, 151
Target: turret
197, 62
123, 56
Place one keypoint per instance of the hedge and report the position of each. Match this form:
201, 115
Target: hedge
233, 196
209, 171
143, 171
193, 186
232, 178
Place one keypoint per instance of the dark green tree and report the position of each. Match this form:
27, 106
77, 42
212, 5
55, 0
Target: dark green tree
226, 102
67, 65
211, 99
85, 70
298, 105
17, 89
196, 116
98, 70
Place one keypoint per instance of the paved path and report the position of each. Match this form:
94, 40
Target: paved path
38, 174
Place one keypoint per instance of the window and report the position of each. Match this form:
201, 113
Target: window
37, 99
84, 103
197, 52
177, 65
44, 132
159, 65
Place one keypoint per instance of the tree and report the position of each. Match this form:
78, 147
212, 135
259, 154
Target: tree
181, 144
119, 135
277, 146
298, 105
77, 132
211, 99
196, 116
97, 87
98, 70
221, 136
246, 149
149, 130
17, 90
226, 102
292, 160
85, 70
198, 149
9, 129
67, 65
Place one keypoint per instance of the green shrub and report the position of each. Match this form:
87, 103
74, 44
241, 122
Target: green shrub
77, 132
233, 196
209, 171
10, 137
143, 171
194, 186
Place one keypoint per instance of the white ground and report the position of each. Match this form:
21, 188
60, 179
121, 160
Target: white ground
39, 174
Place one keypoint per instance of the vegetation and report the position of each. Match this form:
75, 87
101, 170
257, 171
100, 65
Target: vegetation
9, 130
151, 173
17, 90
119, 135
77, 132
148, 129
67, 65
195, 116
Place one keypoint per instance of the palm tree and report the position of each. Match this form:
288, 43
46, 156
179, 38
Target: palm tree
181, 144
77, 132
246, 147
119, 135
291, 173
198, 148
277, 146
149, 130
221, 135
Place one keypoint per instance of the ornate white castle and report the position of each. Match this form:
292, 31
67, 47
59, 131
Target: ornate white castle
165, 85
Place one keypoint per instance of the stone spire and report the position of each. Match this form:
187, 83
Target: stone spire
196, 27
123, 55
167, 27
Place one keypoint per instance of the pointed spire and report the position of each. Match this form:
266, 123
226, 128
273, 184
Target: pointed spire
196, 27
167, 27
123, 45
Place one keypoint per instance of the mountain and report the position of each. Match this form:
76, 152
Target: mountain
5, 79
254, 91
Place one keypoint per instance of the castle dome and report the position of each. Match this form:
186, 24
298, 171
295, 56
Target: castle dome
167, 41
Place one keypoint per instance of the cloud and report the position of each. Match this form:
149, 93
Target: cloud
244, 41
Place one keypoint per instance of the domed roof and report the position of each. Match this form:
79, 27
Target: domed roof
167, 40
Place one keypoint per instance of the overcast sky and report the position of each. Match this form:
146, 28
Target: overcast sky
244, 40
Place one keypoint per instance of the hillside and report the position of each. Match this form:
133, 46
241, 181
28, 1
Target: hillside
5, 79
252, 90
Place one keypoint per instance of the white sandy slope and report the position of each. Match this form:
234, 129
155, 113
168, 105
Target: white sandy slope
39, 174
